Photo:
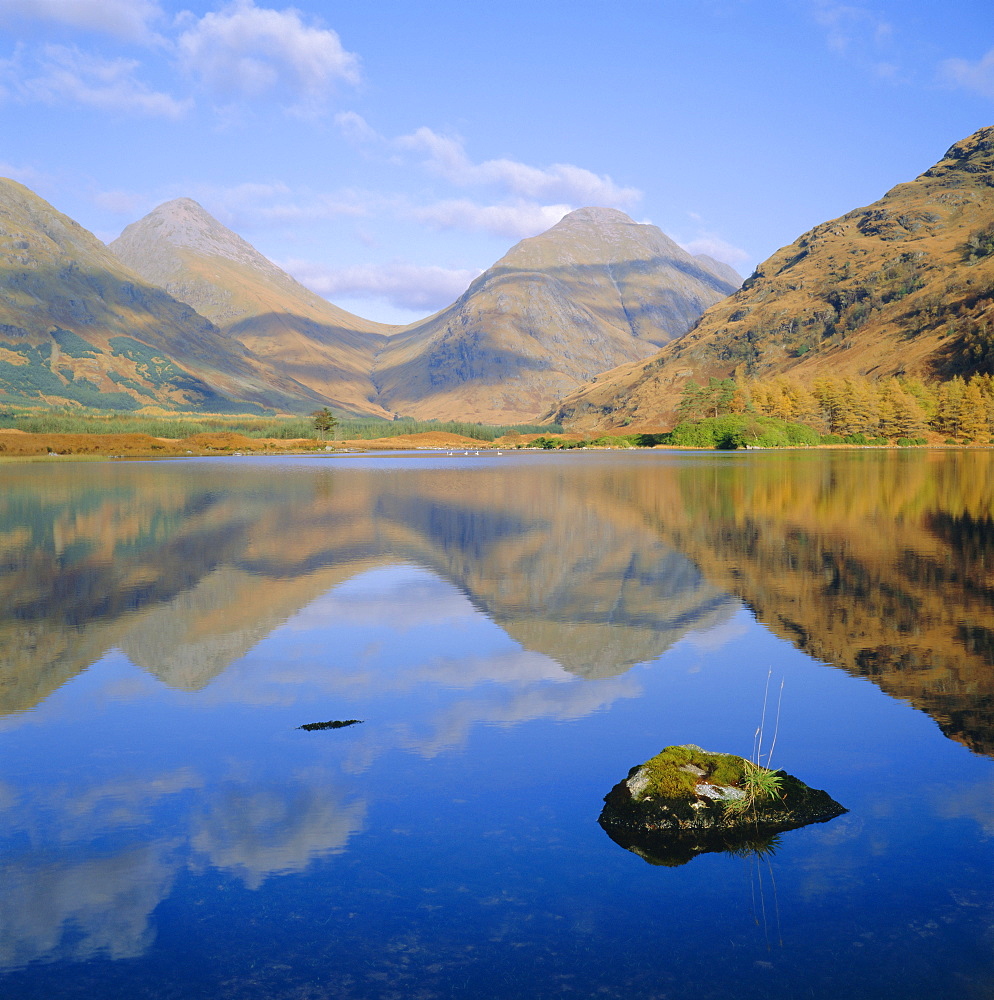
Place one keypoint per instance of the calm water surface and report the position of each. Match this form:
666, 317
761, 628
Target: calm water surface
515, 633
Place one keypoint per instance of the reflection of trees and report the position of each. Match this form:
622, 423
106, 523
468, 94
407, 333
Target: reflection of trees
878, 563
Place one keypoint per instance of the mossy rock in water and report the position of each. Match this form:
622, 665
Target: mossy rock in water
687, 801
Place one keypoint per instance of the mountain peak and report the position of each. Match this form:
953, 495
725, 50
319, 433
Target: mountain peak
599, 217
594, 236
899, 288
595, 290
972, 155
184, 224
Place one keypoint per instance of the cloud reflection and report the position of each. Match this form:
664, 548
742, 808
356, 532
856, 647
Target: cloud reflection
400, 641
73, 897
256, 832
52, 908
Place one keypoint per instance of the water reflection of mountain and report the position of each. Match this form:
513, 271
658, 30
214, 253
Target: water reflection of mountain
882, 564
186, 568
582, 582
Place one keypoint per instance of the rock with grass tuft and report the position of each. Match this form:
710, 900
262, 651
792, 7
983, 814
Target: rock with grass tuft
687, 801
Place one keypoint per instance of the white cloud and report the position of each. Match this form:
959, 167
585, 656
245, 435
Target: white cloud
62, 74
715, 246
261, 204
256, 831
512, 221
514, 704
446, 157
55, 906
356, 129
407, 596
529, 199
255, 51
127, 19
122, 202
849, 27
25, 175
404, 285
977, 76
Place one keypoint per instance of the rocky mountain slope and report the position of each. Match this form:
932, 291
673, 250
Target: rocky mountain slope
76, 324
181, 312
903, 286
593, 291
180, 247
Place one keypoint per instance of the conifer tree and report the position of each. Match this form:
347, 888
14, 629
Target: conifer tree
806, 408
781, 401
887, 408
862, 405
828, 392
973, 422
910, 420
949, 407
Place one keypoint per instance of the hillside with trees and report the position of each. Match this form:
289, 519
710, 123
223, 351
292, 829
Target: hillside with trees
903, 288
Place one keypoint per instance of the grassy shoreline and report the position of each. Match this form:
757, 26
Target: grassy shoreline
21, 446
285, 427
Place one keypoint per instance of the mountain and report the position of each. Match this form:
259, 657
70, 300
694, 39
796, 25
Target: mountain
595, 290
721, 270
904, 286
77, 325
182, 313
183, 249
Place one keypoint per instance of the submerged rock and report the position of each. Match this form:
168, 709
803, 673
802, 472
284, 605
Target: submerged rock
334, 724
687, 801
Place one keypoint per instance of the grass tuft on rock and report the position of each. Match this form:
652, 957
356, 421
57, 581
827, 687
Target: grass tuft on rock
676, 771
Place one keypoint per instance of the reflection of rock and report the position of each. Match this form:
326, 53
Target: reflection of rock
670, 850
686, 801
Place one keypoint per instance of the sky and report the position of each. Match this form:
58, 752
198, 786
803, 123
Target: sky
386, 152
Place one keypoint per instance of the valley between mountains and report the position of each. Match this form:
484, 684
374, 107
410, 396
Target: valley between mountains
599, 322
180, 312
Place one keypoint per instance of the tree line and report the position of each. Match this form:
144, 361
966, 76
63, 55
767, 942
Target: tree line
959, 409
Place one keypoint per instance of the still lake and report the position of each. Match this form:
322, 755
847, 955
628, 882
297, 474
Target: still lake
514, 633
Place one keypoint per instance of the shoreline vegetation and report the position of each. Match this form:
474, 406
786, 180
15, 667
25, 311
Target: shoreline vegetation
724, 415
714, 434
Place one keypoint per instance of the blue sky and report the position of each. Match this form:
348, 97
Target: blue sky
385, 152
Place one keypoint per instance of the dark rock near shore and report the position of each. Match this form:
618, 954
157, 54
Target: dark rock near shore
687, 801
